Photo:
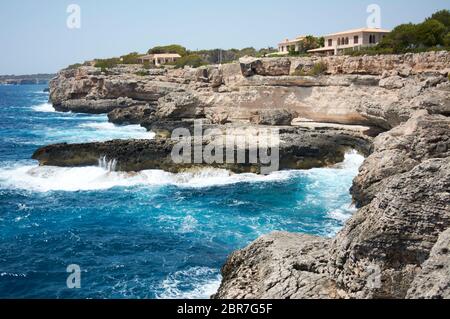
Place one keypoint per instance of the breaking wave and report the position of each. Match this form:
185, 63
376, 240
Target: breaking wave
44, 108
193, 283
48, 178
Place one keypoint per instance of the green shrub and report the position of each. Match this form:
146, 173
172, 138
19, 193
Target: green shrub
74, 66
447, 40
431, 33
147, 65
443, 17
173, 48
417, 37
131, 58
142, 73
106, 64
192, 60
318, 69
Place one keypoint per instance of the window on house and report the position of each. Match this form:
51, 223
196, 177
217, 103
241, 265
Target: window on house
330, 42
346, 41
339, 41
356, 39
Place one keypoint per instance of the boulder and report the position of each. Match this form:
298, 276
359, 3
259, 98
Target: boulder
279, 266
382, 247
265, 67
94, 106
179, 105
399, 150
274, 117
132, 115
433, 279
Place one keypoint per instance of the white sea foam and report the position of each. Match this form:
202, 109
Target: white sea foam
342, 214
120, 132
194, 283
48, 178
189, 224
44, 108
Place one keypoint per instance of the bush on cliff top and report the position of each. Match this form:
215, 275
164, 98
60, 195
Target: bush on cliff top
173, 48
318, 69
131, 58
74, 66
106, 64
432, 34
192, 60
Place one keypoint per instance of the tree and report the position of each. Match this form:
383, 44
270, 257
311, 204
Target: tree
447, 40
192, 60
310, 43
173, 48
131, 58
443, 17
431, 33
403, 37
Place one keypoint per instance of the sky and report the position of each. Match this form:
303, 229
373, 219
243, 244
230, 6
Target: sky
35, 38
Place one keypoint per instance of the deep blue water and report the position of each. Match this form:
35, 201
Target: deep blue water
147, 235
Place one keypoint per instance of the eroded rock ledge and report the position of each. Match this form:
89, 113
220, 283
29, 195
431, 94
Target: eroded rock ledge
298, 149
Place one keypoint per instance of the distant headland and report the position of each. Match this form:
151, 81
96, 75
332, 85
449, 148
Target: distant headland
26, 79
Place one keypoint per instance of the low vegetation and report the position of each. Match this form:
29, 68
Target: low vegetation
130, 58
106, 64
309, 43
431, 35
74, 66
173, 48
192, 60
318, 68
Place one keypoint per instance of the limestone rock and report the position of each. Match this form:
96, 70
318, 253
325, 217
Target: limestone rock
401, 149
274, 117
179, 105
298, 148
131, 115
394, 234
279, 266
265, 67
433, 280
393, 82
94, 106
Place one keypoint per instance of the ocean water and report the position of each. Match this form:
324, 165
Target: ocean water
146, 235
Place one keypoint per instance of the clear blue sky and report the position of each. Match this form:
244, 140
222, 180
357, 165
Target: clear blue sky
34, 36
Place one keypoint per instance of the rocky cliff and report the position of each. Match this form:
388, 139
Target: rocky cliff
373, 91
394, 109
393, 247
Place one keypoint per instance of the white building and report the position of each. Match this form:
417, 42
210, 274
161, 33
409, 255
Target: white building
290, 45
159, 59
337, 43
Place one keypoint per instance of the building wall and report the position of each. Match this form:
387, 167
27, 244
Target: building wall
363, 39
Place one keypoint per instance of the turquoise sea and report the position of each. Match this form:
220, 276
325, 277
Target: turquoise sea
145, 235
